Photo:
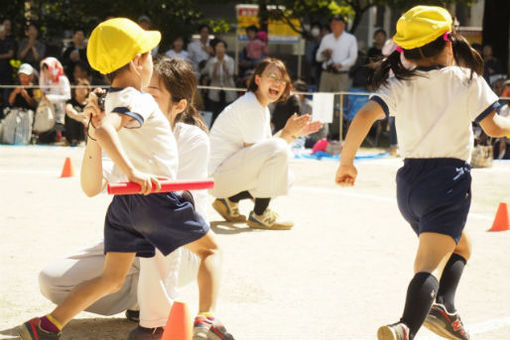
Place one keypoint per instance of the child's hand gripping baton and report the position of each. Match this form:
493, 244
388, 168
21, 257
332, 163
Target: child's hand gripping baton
131, 188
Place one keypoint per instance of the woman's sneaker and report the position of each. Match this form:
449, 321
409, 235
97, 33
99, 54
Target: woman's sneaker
228, 210
268, 220
396, 331
31, 330
209, 328
445, 324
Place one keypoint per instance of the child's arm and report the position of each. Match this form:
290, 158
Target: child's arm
360, 126
108, 139
91, 176
495, 125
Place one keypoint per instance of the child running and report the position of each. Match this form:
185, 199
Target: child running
136, 135
436, 101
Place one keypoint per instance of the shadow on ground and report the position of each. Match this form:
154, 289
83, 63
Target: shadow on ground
223, 227
86, 329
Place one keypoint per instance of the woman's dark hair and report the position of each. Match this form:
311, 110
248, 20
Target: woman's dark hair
80, 82
180, 80
252, 85
217, 42
463, 53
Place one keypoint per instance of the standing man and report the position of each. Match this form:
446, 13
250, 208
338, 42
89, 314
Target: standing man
200, 50
337, 52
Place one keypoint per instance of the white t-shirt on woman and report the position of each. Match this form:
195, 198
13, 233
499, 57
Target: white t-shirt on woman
245, 121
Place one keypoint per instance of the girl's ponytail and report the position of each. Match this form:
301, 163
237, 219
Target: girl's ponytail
191, 116
465, 55
390, 63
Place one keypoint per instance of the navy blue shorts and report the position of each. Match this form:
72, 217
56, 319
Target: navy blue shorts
139, 224
434, 195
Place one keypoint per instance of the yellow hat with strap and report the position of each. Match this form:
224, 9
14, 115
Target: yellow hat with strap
422, 25
115, 42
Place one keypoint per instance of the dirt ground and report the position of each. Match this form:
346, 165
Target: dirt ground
339, 274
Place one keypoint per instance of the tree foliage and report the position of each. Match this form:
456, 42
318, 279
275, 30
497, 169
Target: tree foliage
308, 11
171, 17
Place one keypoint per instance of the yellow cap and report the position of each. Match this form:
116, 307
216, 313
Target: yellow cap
422, 25
115, 42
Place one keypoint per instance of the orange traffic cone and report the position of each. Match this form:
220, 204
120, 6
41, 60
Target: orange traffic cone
501, 222
178, 326
68, 170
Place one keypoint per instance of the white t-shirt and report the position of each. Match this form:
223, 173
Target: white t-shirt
193, 151
245, 121
147, 140
433, 113
345, 50
183, 54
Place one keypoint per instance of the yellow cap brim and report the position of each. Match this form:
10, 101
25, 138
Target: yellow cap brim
151, 39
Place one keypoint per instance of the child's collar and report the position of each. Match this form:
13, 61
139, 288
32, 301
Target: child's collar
429, 68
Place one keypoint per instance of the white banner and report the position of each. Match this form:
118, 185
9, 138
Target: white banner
322, 109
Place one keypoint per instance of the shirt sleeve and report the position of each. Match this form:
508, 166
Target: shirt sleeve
385, 97
353, 54
481, 99
138, 106
318, 55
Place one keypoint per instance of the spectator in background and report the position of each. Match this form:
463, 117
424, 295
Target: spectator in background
21, 96
379, 38
283, 110
337, 52
57, 89
75, 119
492, 66
256, 50
7, 23
312, 44
245, 63
74, 53
200, 50
30, 49
146, 23
220, 70
6, 53
177, 50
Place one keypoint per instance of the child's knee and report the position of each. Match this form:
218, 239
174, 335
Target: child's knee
112, 283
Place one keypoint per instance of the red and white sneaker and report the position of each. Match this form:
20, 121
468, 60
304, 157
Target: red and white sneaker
209, 328
447, 325
396, 331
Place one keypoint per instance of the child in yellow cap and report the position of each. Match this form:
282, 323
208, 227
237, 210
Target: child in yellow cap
137, 136
434, 105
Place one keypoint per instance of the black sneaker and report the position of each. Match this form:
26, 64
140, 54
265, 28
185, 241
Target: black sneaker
133, 315
447, 325
396, 331
142, 333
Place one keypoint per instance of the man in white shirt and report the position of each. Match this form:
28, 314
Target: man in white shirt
200, 50
337, 52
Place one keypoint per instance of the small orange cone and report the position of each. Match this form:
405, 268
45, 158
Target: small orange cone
501, 222
68, 170
178, 326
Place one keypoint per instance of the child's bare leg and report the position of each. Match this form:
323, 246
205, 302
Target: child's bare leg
209, 253
115, 270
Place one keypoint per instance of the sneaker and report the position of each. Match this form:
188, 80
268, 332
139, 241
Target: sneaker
31, 330
142, 333
396, 331
268, 220
228, 210
445, 324
133, 315
208, 328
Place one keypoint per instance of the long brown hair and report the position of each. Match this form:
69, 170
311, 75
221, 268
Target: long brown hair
464, 54
180, 80
261, 67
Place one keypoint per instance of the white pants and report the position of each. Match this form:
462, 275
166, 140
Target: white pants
261, 169
151, 282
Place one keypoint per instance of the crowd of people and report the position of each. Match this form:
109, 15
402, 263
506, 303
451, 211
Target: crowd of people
334, 62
